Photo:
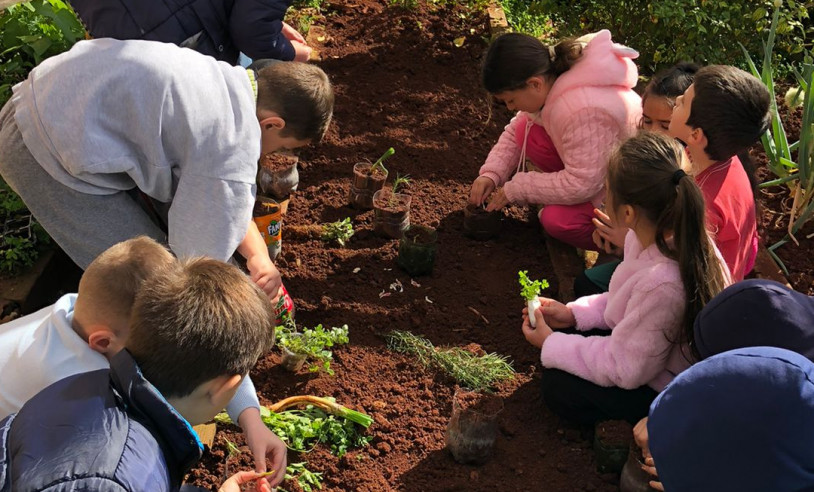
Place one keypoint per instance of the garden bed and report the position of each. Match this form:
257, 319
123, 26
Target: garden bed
409, 78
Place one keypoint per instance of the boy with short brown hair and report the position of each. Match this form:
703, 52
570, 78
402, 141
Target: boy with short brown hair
80, 333
155, 124
197, 329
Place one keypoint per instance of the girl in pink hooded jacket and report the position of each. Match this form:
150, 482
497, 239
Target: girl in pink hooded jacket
670, 271
575, 101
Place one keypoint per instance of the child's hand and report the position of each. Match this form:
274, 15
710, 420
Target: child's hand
302, 52
482, 187
234, 483
538, 334
263, 273
641, 438
263, 443
498, 201
556, 314
292, 34
613, 236
650, 467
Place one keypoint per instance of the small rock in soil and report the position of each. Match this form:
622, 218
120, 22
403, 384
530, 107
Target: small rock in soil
474, 475
383, 447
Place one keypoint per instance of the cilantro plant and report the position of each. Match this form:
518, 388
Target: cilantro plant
339, 231
530, 289
313, 342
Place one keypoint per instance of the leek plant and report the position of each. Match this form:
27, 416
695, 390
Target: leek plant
797, 174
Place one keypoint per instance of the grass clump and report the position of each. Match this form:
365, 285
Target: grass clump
477, 372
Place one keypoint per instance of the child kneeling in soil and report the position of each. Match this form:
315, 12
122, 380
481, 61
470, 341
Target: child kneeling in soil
155, 125
670, 271
82, 333
197, 328
568, 121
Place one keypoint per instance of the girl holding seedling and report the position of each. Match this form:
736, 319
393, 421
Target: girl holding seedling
575, 101
670, 271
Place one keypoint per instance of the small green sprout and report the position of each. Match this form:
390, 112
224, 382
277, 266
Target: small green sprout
380, 163
530, 289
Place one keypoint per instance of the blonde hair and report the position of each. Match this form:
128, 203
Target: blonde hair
109, 286
197, 320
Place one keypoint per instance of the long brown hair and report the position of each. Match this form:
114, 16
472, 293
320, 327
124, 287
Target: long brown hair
512, 58
645, 172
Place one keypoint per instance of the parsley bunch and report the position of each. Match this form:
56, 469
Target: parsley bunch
530, 289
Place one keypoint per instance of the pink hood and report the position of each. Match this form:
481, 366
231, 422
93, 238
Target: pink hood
589, 109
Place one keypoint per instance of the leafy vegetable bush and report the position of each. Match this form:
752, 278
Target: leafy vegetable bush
705, 31
339, 231
19, 233
530, 289
30, 33
313, 342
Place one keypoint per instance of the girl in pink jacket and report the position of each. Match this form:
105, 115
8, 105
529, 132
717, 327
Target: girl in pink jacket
670, 271
575, 101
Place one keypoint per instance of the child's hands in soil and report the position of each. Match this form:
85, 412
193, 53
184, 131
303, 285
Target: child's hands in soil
613, 236
538, 334
234, 483
302, 52
263, 273
263, 444
482, 187
556, 314
498, 201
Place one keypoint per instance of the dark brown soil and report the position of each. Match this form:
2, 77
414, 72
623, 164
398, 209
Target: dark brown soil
614, 433
275, 162
481, 403
419, 235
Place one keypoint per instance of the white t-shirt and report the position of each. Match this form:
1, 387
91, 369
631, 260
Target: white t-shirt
40, 349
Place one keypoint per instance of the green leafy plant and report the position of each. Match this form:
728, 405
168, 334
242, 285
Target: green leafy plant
339, 231
477, 372
709, 30
400, 182
379, 164
306, 479
797, 174
313, 342
31, 32
530, 289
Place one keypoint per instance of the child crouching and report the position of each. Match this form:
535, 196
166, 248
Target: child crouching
196, 330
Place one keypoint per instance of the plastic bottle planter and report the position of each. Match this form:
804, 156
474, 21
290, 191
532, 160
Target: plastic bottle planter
292, 361
365, 184
268, 216
480, 224
633, 478
278, 177
417, 250
612, 445
391, 213
473, 427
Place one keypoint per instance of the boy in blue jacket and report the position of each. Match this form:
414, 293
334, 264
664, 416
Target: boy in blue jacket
197, 328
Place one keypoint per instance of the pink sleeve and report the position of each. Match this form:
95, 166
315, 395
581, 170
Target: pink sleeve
589, 311
504, 156
637, 349
588, 137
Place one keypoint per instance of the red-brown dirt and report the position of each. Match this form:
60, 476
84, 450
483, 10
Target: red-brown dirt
400, 81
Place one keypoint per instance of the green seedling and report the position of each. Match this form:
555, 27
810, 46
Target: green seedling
313, 342
530, 289
380, 163
398, 184
339, 231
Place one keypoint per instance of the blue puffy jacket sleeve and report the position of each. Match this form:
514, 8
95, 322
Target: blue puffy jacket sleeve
256, 29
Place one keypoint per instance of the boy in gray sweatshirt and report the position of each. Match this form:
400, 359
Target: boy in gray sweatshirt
93, 130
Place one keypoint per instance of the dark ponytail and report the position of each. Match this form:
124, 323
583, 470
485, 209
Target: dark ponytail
512, 58
645, 172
